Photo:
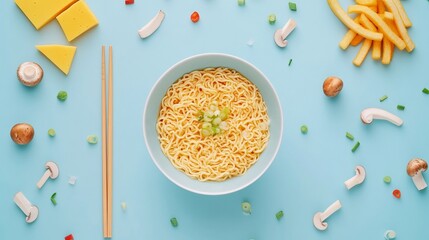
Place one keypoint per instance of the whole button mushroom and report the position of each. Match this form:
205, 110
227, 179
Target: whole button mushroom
415, 168
22, 133
332, 86
29, 73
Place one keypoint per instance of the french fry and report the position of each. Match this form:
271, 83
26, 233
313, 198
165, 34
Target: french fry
357, 40
373, 8
348, 37
382, 26
388, 15
363, 51
387, 51
380, 7
368, 3
400, 25
376, 45
348, 21
407, 22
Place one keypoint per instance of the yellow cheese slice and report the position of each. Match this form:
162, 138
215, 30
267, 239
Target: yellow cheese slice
76, 20
60, 55
41, 12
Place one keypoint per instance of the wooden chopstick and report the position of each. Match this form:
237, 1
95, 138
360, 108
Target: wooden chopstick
110, 145
103, 136
107, 141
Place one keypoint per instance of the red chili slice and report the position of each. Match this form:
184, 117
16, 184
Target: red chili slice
396, 193
69, 237
129, 2
195, 17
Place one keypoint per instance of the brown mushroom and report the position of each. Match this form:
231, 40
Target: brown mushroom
332, 86
29, 73
22, 133
415, 168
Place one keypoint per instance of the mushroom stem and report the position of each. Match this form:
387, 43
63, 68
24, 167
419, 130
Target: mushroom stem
330, 210
152, 25
281, 34
369, 114
419, 181
356, 179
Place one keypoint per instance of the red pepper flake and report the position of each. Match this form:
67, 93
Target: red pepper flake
69, 237
195, 17
128, 2
396, 193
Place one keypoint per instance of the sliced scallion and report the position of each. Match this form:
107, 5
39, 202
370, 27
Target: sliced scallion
272, 18
383, 98
290, 62
400, 107
304, 129
246, 207
51, 132
387, 179
53, 198
356, 146
350, 136
425, 91
174, 222
279, 215
241, 2
292, 6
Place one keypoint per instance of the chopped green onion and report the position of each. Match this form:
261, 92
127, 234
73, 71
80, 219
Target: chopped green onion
292, 6
62, 96
224, 113
290, 62
425, 91
241, 2
279, 215
246, 207
349, 136
124, 206
207, 125
51, 132
356, 146
272, 18
206, 132
383, 98
174, 222
92, 139
53, 198
387, 179
400, 107
216, 121
304, 129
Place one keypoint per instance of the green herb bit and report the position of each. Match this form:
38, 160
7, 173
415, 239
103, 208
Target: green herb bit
92, 139
400, 107
387, 179
304, 129
290, 62
383, 98
349, 136
174, 222
246, 207
241, 2
292, 6
51, 132
272, 18
356, 146
425, 91
62, 96
279, 215
53, 198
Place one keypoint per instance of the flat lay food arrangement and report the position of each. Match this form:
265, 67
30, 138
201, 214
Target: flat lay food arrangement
214, 119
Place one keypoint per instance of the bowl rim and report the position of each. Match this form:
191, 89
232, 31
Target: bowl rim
276, 148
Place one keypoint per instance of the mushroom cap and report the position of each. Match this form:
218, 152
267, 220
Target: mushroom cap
22, 133
332, 86
53, 167
416, 165
29, 73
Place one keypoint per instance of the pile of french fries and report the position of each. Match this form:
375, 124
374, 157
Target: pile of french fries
380, 24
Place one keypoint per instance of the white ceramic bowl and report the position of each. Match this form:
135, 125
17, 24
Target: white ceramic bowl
151, 113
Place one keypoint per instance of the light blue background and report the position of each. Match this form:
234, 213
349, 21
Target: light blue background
308, 173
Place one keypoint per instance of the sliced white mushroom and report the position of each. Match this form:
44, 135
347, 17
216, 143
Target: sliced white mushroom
320, 217
356, 179
281, 34
369, 114
152, 25
29, 73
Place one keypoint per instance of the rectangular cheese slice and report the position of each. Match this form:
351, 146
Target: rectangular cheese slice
41, 12
60, 55
76, 20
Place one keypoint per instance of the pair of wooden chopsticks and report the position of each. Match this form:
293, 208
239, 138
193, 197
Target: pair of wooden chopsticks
107, 141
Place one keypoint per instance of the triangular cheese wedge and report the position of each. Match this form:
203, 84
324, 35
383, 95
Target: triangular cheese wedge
60, 55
